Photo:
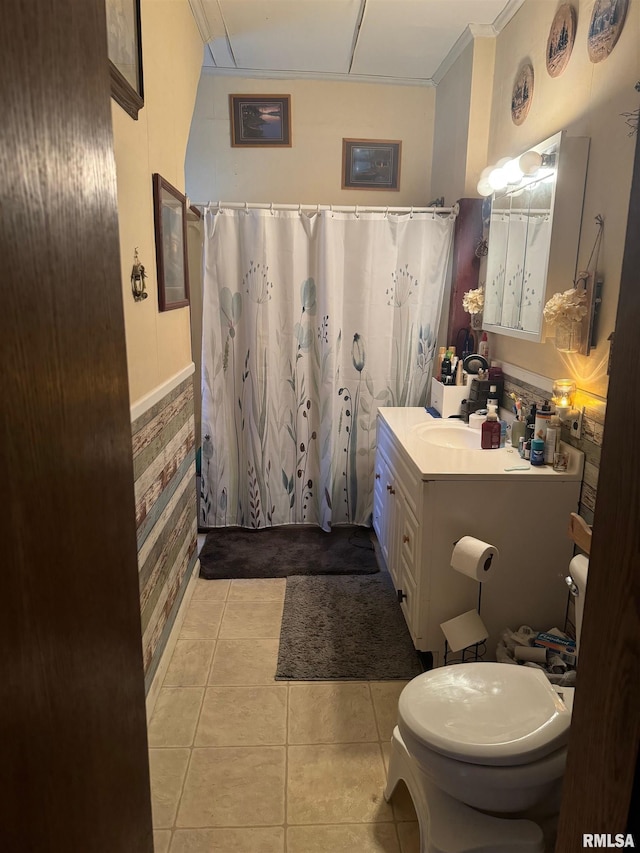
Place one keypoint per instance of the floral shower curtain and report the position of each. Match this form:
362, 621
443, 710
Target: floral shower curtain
310, 322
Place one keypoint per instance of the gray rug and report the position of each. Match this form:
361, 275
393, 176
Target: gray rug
278, 552
344, 628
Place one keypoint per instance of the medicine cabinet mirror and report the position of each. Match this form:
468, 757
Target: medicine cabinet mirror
534, 233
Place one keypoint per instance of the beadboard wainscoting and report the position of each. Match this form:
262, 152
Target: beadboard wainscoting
163, 438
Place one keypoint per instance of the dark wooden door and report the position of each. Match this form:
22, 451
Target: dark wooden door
73, 754
605, 728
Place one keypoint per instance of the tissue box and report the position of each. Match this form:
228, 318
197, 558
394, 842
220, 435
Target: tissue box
561, 645
446, 399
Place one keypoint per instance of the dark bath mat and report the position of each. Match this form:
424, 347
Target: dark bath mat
278, 552
344, 628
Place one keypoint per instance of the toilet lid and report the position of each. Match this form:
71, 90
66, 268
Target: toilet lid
485, 713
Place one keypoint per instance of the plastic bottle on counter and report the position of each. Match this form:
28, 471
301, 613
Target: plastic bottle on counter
490, 439
503, 432
483, 347
543, 417
445, 372
529, 431
552, 441
537, 451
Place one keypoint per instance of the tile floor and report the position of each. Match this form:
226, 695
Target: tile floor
241, 763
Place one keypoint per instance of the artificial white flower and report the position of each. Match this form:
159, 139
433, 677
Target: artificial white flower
567, 307
473, 301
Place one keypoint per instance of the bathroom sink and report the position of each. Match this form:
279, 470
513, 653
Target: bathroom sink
456, 436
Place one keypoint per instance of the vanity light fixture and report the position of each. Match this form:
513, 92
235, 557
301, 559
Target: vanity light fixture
510, 172
564, 392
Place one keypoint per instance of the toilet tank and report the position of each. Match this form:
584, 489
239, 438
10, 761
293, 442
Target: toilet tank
578, 569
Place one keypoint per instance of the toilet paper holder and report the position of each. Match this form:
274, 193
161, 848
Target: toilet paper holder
467, 631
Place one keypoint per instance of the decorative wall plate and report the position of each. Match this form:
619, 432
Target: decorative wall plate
561, 38
606, 25
522, 93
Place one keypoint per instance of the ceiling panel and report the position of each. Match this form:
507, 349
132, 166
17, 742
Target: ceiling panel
292, 35
394, 40
410, 38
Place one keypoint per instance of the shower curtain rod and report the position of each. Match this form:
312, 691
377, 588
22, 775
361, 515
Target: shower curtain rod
337, 208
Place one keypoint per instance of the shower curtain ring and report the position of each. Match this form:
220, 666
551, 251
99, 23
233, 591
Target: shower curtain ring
386, 213
356, 212
411, 213
271, 208
246, 207
331, 210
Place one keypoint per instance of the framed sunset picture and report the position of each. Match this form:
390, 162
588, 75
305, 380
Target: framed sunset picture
260, 120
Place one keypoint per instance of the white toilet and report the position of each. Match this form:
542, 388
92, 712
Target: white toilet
483, 736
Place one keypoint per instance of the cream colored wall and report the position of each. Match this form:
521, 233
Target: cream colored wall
463, 113
586, 100
451, 132
310, 172
158, 344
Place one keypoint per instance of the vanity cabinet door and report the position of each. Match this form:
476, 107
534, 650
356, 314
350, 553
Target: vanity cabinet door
381, 500
387, 514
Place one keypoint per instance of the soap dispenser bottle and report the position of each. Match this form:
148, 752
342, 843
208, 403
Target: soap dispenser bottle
490, 439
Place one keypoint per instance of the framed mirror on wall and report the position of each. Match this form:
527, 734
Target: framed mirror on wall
534, 232
124, 44
170, 218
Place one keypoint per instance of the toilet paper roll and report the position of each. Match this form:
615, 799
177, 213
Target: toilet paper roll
476, 421
530, 653
474, 558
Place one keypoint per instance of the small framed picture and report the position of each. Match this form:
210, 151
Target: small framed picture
124, 48
371, 164
170, 218
260, 120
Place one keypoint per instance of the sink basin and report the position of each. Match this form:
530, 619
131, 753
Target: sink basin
455, 436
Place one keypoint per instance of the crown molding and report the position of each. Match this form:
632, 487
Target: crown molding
464, 40
197, 9
317, 75
474, 31
505, 16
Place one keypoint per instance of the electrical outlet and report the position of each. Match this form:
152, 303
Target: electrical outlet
575, 424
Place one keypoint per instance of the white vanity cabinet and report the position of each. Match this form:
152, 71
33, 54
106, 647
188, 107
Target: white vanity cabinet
395, 494
426, 497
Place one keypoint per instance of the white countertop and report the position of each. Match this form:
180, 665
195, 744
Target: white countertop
410, 425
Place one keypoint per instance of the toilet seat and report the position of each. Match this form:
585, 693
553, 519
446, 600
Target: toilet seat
485, 713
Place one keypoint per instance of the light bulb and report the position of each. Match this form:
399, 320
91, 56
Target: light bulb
530, 162
498, 179
484, 187
513, 171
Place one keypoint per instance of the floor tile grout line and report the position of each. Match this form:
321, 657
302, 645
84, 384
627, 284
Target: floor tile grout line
286, 772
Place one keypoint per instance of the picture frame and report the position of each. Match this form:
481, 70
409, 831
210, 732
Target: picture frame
371, 164
260, 121
170, 220
124, 47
